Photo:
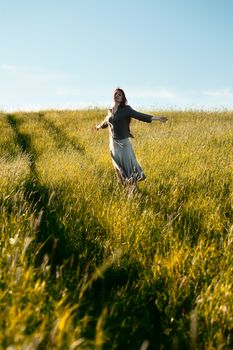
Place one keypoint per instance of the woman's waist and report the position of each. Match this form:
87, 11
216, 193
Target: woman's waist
120, 142
120, 134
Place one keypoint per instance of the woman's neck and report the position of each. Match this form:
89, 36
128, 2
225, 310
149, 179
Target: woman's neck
115, 106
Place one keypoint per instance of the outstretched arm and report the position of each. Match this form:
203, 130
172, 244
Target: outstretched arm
102, 125
145, 117
140, 116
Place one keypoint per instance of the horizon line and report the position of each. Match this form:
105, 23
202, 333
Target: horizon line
104, 107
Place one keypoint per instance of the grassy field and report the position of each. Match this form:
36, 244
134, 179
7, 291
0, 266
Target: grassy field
84, 265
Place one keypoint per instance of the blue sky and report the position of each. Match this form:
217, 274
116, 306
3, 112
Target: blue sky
73, 53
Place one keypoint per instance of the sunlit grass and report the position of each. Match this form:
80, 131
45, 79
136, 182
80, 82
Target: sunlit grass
86, 266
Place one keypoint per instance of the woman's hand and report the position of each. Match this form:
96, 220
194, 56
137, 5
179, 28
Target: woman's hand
163, 119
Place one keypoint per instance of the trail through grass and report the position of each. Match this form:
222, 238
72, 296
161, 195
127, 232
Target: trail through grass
84, 265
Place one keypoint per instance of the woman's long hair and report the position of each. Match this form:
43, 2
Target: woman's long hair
124, 99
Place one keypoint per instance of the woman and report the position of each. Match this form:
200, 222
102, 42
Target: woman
118, 120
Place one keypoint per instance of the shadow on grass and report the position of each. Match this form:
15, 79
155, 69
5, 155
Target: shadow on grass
51, 233
60, 137
24, 142
132, 316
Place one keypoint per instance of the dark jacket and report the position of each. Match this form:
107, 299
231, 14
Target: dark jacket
119, 122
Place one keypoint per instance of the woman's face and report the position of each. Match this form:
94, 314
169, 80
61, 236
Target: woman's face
118, 96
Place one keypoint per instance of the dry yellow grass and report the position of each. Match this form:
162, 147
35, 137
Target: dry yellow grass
84, 266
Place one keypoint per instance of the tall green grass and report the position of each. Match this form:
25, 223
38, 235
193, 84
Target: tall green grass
86, 266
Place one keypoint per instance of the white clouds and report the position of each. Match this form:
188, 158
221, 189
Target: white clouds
225, 93
220, 98
178, 99
8, 67
32, 73
158, 97
161, 93
30, 88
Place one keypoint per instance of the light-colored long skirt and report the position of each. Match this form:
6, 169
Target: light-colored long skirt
125, 162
